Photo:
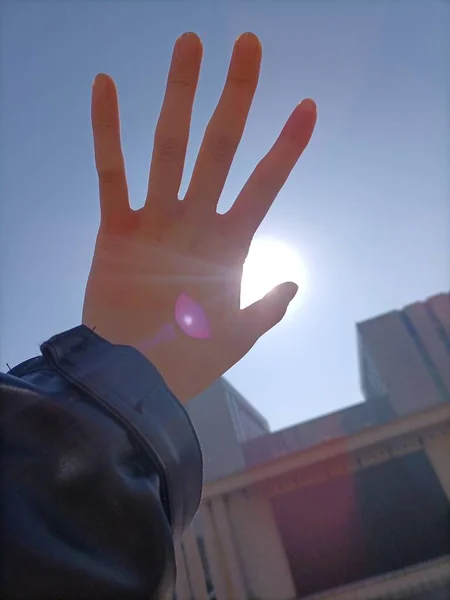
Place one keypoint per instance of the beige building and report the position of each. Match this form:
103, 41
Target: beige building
354, 505
404, 354
225, 421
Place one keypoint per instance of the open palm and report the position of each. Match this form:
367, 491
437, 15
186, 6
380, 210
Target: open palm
166, 278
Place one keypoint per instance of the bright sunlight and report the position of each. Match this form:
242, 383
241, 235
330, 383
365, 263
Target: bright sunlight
269, 263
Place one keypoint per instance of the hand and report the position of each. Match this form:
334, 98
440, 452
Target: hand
166, 278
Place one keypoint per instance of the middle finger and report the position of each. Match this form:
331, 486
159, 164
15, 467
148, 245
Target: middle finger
226, 126
172, 130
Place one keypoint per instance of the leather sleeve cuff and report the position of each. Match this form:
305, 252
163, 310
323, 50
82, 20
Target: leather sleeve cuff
131, 390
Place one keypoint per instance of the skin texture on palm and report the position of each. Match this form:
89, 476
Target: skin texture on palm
166, 278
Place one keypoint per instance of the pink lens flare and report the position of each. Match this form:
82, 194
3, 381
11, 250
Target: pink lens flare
191, 318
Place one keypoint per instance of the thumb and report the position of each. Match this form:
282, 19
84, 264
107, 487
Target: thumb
259, 317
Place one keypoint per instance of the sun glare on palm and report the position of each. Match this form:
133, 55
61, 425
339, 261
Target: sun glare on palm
269, 263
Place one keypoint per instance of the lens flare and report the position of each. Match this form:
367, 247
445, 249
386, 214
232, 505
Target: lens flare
191, 318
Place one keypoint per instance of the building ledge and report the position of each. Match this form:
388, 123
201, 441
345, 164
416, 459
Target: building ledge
403, 584
427, 420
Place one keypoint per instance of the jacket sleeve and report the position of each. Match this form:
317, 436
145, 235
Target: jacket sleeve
100, 469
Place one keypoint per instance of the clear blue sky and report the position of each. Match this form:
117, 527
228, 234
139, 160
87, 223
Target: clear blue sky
368, 205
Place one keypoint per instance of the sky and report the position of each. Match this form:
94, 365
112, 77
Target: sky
367, 207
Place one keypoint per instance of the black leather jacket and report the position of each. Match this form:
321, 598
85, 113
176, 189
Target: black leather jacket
100, 471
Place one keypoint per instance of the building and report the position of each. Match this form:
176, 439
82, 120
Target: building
224, 421
354, 505
404, 355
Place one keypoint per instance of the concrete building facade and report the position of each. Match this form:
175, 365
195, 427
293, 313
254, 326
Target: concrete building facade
405, 355
224, 421
354, 505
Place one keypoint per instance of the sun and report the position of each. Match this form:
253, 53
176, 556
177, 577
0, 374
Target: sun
269, 263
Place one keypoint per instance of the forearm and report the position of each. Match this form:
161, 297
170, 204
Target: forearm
100, 469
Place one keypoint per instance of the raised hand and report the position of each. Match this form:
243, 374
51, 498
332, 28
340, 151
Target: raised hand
166, 278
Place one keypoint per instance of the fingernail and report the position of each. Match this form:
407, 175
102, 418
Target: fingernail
99, 79
291, 291
102, 86
248, 44
188, 46
285, 292
309, 105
